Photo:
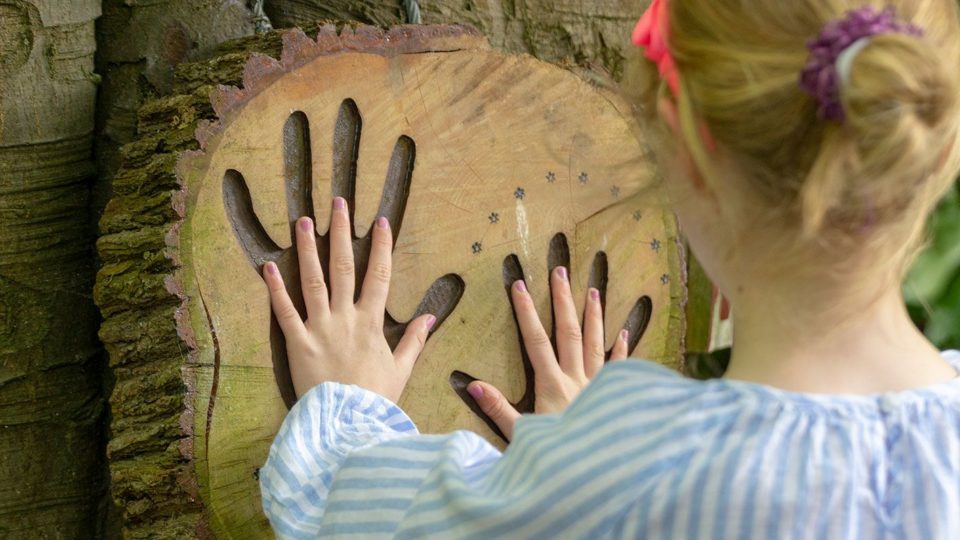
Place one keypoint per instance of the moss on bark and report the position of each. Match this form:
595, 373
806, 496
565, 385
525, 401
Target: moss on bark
153, 481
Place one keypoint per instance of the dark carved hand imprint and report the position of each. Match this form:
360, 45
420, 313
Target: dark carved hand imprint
559, 255
440, 299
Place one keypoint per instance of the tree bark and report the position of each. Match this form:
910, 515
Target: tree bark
503, 152
595, 34
139, 44
51, 404
152, 483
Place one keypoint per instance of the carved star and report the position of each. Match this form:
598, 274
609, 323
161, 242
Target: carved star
477, 247
637, 216
551, 177
520, 193
655, 245
583, 178
615, 191
665, 279
494, 217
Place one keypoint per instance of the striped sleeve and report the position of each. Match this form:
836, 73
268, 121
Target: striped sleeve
641, 453
349, 463
327, 424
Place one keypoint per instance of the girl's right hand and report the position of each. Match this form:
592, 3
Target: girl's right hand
559, 375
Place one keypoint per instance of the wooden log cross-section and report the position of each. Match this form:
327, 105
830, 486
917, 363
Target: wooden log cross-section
491, 167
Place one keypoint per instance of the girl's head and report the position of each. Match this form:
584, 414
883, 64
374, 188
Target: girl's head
762, 182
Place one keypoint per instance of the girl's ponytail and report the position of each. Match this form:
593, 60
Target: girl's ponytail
898, 101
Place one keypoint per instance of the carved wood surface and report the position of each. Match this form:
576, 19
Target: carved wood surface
513, 166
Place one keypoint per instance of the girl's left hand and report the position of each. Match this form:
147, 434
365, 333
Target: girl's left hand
559, 373
342, 341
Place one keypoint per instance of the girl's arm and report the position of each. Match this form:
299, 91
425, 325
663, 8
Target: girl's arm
346, 458
349, 463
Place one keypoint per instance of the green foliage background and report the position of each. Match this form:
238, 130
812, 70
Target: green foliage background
932, 289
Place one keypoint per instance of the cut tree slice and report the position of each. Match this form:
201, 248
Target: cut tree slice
490, 166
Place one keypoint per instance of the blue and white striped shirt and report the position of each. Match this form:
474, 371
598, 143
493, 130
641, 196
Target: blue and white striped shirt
641, 453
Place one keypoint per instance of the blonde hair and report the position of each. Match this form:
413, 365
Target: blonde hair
869, 181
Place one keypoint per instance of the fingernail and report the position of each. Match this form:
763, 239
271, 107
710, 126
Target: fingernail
305, 224
594, 295
476, 391
562, 272
521, 286
382, 222
431, 320
271, 268
624, 335
339, 203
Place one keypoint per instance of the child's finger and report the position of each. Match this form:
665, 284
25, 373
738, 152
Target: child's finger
342, 266
593, 353
311, 273
283, 308
535, 339
569, 335
619, 351
413, 341
376, 284
494, 405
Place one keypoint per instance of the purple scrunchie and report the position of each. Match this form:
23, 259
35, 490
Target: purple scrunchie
820, 77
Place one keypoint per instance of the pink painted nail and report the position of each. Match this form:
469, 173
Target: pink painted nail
382, 222
271, 268
562, 272
305, 224
431, 320
594, 295
521, 286
476, 391
624, 335
339, 203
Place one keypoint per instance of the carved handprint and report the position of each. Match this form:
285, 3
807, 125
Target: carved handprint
440, 299
559, 256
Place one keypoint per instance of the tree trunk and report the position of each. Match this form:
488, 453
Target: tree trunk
51, 404
306, 13
595, 34
497, 167
150, 476
138, 46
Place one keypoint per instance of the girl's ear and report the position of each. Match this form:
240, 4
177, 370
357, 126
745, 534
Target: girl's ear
669, 115
945, 153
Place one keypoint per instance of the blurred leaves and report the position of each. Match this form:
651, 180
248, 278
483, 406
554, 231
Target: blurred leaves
932, 289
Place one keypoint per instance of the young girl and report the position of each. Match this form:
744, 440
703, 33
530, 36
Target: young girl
806, 143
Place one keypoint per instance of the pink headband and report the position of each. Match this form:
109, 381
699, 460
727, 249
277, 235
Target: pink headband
651, 33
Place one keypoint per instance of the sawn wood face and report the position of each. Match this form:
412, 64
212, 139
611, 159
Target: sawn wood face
491, 166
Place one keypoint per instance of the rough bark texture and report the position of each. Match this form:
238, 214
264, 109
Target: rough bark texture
140, 43
51, 404
151, 479
306, 13
588, 33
